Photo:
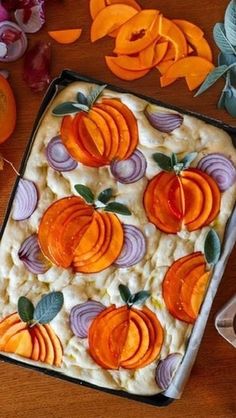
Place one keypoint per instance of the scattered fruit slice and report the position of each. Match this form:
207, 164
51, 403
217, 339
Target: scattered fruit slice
172, 33
12, 330
20, 343
121, 73
7, 110
67, 36
202, 48
189, 29
111, 18
95, 6
194, 81
132, 63
132, 3
137, 33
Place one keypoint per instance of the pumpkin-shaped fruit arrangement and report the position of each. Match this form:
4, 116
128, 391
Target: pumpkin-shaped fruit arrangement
124, 337
94, 133
75, 232
27, 332
180, 196
187, 279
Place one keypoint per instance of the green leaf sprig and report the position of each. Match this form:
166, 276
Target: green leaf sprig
104, 198
225, 38
44, 312
81, 104
212, 247
137, 298
172, 163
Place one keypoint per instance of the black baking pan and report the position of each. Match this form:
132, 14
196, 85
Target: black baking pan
58, 84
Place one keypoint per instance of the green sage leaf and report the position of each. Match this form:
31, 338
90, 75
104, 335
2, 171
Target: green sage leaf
230, 100
139, 297
164, 162
228, 59
221, 39
48, 307
82, 99
124, 293
95, 94
85, 192
66, 108
188, 159
221, 102
105, 196
25, 309
81, 107
117, 208
230, 22
212, 247
211, 79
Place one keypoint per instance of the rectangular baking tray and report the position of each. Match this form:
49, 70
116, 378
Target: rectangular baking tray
176, 388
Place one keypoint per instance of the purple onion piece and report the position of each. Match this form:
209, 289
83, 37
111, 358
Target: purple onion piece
15, 49
26, 200
32, 257
163, 121
130, 170
58, 157
4, 15
220, 168
166, 369
134, 247
36, 19
82, 315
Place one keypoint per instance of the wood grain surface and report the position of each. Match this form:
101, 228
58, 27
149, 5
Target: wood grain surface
210, 391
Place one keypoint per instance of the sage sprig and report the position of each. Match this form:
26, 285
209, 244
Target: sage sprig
103, 197
172, 163
44, 312
225, 38
81, 104
136, 299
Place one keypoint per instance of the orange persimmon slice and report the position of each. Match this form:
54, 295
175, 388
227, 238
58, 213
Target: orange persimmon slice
131, 123
172, 33
8, 321
121, 73
42, 344
123, 129
194, 81
7, 110
132, 3
102, 125
67, 36
95, 6
134, 63
105, 345
109, 251
113, 130
202, 48
173, 280
58, 351
184, 67
137, 33
198, 293
187, 288
20, 343
109, 19
189, 29
36, 347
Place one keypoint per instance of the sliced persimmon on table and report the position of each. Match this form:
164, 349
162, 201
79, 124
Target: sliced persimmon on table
189, 29
122, 73
7, 110
171, 32
194, 66
109, 19
96, 6
137, 33
179, 283
67, 36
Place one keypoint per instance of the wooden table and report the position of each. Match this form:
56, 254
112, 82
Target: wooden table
211, 389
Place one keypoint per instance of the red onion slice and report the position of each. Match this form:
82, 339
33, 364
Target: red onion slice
34, 22
134, 247
32, 257
163, 121
58, 157
166, 369
16, 45
82, 315
26, 200
220, 168
37, 66
130, 170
